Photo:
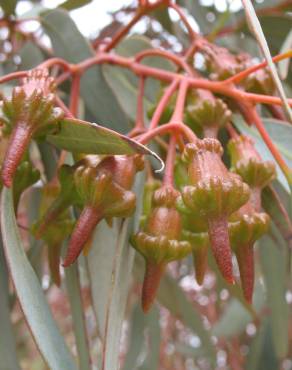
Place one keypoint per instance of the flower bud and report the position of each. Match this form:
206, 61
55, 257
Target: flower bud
28, 113
244, 231
105, 192
206, 114
160, 241
214, 193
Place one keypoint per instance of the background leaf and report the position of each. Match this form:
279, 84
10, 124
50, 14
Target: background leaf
110, 263
30, 294
68, 43
84, 137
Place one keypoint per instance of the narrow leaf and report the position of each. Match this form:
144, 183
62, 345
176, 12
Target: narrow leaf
273, 260
74, 294
31, 297
7, 341
68, 43
110, 263
85, 137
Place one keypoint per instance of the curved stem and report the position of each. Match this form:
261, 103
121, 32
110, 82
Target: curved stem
162, 104
180, 62
13, 76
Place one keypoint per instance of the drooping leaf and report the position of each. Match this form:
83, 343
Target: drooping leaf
84, 137
280, 133
136, 337
74, 294
7, 340
30, 294
273, 260
110, 263
261, 354
68, 43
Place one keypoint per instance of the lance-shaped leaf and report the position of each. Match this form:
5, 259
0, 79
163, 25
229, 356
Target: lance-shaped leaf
80, 136
31, 297
110, 263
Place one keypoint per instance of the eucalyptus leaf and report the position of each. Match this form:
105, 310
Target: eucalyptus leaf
8, 354
84, 137
273, 260
31, 297
110, 263
74, 4
74, 294
68, 43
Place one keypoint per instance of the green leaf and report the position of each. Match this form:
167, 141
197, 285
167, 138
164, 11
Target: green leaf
8, 6
110, 263
31, 297
136, 337
7, 340
280, 133
124, 83
68, 43
199, 12
275, 208
273, 262
261, 354
84, 137
74, 4
235, 317
74, 294
30, 55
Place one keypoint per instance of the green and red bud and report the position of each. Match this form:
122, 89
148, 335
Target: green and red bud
105, 193
214, 193
160, 241
206, 114
29, 112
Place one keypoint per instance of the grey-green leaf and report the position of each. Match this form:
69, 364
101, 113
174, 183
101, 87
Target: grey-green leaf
7, 340
68, 43
74, 4
110, 263
31, 297
85, 137
74, 294
273, 262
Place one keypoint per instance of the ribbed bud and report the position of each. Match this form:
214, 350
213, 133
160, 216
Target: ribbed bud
160, 241
214, 193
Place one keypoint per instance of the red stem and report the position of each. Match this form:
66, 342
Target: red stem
168, 178
74, 97
162, 104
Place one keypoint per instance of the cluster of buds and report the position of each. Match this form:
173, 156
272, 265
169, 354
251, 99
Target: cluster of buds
101, 188
213, 194
27, 114
160, 241
249, 223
